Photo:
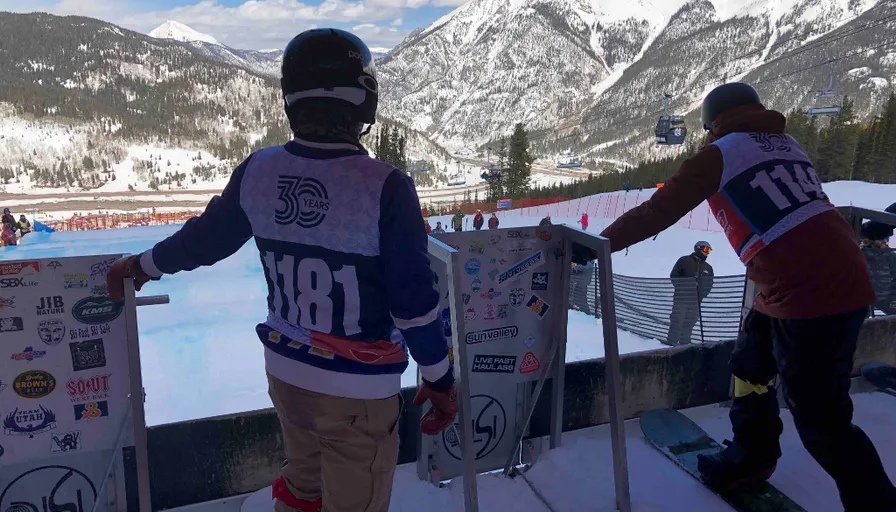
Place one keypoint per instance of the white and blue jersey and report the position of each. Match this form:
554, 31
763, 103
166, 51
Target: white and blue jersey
344, 253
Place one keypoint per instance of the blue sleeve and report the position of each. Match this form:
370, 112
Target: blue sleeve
410, 283
205, 240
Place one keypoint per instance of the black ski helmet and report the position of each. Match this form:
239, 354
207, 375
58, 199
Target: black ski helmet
726, 97
330, 63
698, 247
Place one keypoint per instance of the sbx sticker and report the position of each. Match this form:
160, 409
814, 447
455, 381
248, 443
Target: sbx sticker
91, 410
65, 441
530, 363
539, 280
521, 268
499, 333
17, 282
538, 306
11, 324
493, 364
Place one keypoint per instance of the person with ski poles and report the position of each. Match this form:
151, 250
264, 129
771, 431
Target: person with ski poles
805, 321
361, 295
692, 281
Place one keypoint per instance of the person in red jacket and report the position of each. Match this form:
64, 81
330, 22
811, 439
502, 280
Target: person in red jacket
478, 220
493, 222
428, 227
584, 222
805, 321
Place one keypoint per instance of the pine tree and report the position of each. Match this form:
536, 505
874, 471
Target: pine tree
519, 163
838, 144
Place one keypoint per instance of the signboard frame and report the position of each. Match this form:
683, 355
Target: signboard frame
448, 261
70, 292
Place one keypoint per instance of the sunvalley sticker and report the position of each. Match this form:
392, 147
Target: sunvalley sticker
96, 310
34, 384
499, 333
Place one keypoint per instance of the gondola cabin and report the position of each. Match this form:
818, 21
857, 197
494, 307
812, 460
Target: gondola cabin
671, 130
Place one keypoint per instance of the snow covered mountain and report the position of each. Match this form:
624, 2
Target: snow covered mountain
109, 109
589, 75
180, 32
265, 62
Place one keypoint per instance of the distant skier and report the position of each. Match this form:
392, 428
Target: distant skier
8, 227
457, 222
345, 300
692, 278
493, 222
584, 222
439, 229
881, 261
24, 225
478, 220
581, 280
765, 194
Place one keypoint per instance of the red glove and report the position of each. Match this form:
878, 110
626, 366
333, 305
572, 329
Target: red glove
128, 266
442, 412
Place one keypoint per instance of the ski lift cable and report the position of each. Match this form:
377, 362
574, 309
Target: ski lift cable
813, 45
765, 80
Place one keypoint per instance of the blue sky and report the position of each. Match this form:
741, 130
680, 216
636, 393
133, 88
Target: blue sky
257, 24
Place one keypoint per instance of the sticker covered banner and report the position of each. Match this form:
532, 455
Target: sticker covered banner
64, 386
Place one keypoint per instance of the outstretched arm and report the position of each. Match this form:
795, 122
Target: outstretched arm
413, 299
205, 240
696, 180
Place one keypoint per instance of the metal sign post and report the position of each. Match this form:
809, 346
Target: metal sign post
74, 436
601, 248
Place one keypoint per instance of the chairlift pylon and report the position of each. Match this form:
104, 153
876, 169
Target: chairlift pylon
828, 101
670, 128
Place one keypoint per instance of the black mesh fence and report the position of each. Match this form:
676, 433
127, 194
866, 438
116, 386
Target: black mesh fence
673, 311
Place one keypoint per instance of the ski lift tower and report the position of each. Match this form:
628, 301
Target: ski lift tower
828, 101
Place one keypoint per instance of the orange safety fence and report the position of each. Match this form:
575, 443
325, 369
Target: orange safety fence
119, 220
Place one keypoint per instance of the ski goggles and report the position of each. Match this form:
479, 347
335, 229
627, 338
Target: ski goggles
706, 250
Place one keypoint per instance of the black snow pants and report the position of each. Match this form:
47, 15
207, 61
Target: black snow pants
814, 359
684, 316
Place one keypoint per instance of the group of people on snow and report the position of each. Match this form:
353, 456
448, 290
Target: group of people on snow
457, 222
10, 226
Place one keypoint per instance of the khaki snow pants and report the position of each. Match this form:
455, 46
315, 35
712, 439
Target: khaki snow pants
341, 449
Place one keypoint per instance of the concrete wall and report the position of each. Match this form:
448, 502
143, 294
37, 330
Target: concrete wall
213, 458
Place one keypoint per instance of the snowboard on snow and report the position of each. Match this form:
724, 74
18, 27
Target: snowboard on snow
680, 439
881, 375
